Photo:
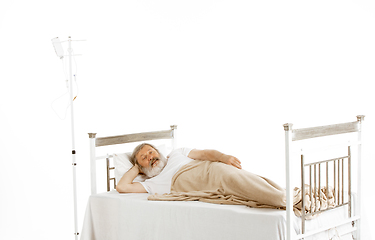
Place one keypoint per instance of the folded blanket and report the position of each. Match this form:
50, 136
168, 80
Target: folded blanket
215, 182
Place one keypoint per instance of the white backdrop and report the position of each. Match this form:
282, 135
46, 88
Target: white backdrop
228, 73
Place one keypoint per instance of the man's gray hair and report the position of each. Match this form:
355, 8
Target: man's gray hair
136, 150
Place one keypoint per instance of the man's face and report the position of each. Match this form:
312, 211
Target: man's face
150, 161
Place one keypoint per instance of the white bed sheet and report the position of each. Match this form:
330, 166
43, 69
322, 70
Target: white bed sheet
114, 216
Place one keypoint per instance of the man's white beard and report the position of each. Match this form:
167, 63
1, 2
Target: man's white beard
156, 170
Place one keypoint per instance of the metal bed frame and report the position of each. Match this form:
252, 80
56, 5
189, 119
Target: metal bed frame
314, 169
315, 172
120, 139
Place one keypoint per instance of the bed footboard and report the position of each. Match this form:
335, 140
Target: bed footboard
339, 167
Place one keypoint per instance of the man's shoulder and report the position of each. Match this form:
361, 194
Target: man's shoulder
178, 151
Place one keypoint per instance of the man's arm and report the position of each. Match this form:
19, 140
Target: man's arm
126, 184
214, 156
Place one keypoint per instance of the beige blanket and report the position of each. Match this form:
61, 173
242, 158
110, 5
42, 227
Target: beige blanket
215, 182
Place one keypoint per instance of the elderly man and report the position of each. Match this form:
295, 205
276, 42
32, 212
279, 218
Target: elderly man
149, 161
205, 175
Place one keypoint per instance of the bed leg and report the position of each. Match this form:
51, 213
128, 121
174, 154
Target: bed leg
289, 189
92, 137
360, 119
303, 217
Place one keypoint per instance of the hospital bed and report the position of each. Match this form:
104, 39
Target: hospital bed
111, 215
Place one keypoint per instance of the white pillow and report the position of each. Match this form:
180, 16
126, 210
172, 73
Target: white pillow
122, 164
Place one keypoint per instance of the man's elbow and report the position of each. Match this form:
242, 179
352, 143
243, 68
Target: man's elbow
121, 189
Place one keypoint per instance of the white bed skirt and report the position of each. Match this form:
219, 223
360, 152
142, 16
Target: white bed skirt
114, 216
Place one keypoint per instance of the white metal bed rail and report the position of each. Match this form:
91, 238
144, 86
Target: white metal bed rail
121, 139
307, 133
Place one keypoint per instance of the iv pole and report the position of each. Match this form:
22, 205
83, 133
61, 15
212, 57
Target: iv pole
59, 52
74, 164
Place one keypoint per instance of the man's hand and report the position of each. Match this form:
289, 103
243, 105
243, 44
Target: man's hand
137, 167
230, 160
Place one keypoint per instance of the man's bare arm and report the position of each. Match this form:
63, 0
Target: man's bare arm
214, 156
126, 184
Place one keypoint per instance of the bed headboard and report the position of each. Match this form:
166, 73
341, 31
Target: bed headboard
122, 139
292, 135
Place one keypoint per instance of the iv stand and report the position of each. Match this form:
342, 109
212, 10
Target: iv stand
59, 51
74, 164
